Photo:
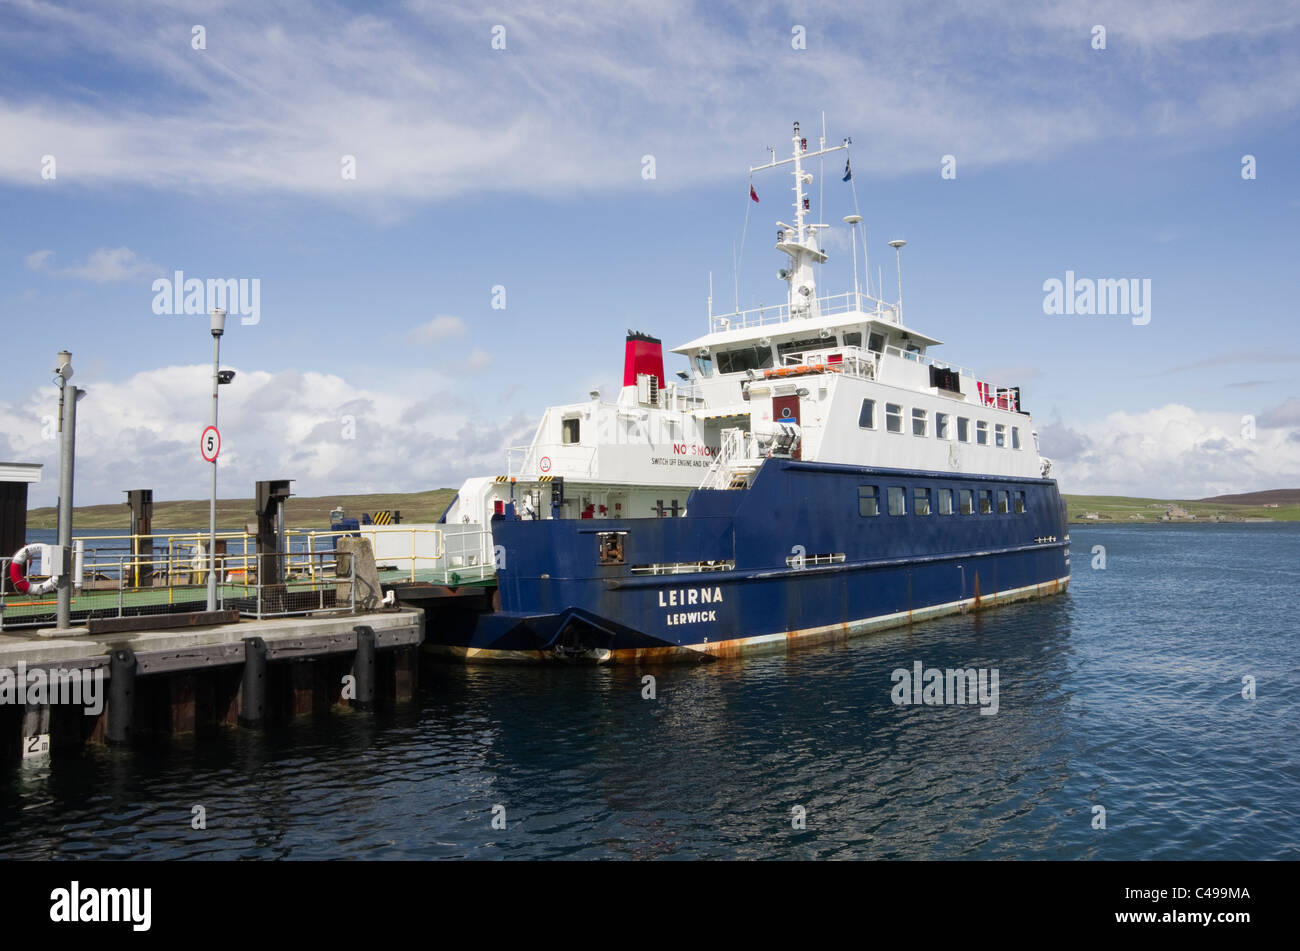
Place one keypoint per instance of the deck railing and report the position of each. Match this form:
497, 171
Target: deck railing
845, 303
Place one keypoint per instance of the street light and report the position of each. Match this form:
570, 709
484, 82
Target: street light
67, 454
219, 376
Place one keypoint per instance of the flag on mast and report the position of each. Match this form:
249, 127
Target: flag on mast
753, 194
848, 172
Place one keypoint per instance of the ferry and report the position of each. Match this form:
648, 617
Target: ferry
813, 474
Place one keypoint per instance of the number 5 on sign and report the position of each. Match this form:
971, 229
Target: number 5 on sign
210, 444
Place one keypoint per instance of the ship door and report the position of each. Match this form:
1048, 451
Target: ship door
786, 408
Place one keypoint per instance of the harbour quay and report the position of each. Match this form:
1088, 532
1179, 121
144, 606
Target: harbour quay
187, 675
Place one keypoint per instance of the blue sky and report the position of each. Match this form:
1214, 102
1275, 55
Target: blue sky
522, 168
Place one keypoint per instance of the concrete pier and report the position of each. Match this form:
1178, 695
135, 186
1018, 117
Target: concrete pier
191, 680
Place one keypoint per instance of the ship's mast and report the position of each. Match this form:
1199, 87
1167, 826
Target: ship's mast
800, 242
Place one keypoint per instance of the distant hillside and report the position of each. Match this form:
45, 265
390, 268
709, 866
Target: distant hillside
235, 513
1115, 508
1279, 496
428, 506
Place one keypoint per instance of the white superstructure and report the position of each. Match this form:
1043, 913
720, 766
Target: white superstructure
837, 379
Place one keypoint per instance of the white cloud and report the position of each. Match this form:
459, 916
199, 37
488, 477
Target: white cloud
478, 359
439, 328
104, 265
36, 260
1175, 452
143, 432
584, 89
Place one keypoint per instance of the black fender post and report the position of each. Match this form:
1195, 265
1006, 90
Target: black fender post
363, 668
252, 706
121, 697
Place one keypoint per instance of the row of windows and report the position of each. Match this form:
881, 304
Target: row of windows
964, 502
943, 425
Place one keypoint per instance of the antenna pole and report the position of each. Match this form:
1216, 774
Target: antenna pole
853, 232
897, 245
852, 222
798, 187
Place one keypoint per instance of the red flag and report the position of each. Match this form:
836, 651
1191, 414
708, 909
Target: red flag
753, 194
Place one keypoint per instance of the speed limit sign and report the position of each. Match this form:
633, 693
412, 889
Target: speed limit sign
210, 444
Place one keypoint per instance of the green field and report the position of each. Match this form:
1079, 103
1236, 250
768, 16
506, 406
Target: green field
427, 506
235, 513
1116, 508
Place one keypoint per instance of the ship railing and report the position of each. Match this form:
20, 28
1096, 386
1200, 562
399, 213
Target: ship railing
830, 305
682, 568
469, 556
737, 446
851, 361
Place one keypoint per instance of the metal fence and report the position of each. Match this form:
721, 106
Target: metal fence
302, 583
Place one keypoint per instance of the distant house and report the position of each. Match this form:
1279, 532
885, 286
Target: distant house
1091, 515
1270, 505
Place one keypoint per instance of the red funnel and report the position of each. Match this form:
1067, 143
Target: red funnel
644, 354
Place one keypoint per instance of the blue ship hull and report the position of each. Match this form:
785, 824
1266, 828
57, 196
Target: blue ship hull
793, 559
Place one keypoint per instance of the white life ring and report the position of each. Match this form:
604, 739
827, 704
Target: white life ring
18, 573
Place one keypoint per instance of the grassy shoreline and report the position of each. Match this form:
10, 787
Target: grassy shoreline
306, 512
1114, 508
313, 512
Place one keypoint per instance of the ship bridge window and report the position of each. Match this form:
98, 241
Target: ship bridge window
894, 417
918, 422
1015, 437
746, 358
799, 346
941, 425
1000, 435
945, 501
703, 364
853, 338
897, 500
868, 500
876, 343
982, 432
963, 429
964, 499
867, 415
569, 431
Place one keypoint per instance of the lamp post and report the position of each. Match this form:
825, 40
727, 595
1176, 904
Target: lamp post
218, 327
67, 455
